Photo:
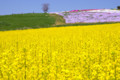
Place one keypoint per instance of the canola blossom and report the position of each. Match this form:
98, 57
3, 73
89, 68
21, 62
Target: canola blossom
63, 53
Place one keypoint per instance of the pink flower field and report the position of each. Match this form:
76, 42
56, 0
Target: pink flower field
91, 16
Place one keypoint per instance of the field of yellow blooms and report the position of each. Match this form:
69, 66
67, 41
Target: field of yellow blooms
63, 53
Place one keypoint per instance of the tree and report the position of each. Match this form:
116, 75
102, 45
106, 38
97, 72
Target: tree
45, 7
118, 7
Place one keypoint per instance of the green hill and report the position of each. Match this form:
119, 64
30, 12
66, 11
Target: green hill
30, 20
36, 20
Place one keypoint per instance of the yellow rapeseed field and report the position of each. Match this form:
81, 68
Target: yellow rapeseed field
63, 53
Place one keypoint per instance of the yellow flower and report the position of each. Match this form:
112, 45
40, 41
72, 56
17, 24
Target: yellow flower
73, 53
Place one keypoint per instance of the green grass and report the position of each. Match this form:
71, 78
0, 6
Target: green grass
30, 20
36, 20
85, 24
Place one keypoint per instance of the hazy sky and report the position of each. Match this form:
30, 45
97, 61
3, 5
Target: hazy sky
28, 6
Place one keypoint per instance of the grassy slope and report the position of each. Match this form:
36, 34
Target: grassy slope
35, 20
30, 20
85, 24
